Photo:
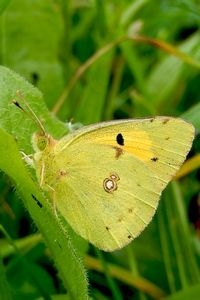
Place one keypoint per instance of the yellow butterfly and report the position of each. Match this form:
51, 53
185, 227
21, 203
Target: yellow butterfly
106, 179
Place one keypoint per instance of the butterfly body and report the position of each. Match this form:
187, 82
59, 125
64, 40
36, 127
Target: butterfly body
106, 179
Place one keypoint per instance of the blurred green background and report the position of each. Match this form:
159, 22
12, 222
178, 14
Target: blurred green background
102, 60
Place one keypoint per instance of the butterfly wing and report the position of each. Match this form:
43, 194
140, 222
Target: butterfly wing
110, 175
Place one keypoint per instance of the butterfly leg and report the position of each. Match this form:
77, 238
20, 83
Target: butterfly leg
53, 200
55, 208
42, 175
28, 159
52, 191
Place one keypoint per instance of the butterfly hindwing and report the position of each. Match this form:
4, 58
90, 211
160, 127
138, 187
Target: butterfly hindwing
107, 178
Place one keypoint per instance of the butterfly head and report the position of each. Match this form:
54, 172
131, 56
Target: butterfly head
42, 141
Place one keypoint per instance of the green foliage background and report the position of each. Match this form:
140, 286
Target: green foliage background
91, 61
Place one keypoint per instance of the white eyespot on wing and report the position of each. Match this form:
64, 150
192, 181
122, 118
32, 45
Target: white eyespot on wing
110, 183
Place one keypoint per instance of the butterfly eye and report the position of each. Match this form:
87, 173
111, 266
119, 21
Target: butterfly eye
39, 141
42, 142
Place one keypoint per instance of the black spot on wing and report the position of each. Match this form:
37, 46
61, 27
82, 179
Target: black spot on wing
154, 159
120, 139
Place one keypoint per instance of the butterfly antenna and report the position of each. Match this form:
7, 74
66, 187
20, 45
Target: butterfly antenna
29, 112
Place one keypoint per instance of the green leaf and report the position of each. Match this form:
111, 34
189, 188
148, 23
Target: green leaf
193, 115
3, 5
94, 96
162, 81
5, 291
15, 121
31, 32
192, 292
